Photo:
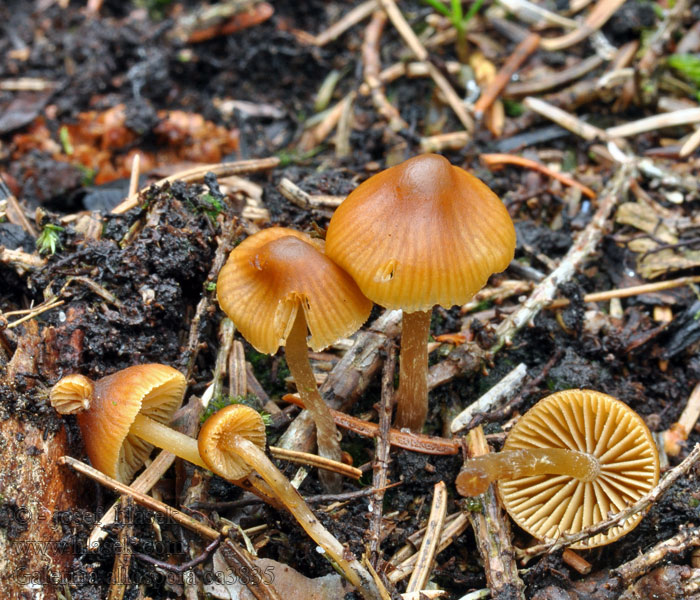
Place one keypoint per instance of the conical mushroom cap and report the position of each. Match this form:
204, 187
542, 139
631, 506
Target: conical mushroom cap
236, 419
274, 272
550, 505
421, 233
154, 390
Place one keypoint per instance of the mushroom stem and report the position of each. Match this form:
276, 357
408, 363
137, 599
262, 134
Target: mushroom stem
326, 432
412, 395
479, 472
355, 573
164, 437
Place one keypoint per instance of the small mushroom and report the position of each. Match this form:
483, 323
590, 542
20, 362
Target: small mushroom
232, 442
122, 416
276, 286
572, 459
415, 235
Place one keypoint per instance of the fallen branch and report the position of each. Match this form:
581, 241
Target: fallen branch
493, 534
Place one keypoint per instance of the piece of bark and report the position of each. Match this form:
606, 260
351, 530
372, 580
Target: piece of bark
33, 488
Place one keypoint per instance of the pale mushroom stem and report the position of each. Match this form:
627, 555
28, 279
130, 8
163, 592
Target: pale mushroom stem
296, 351
355, 573
412, 395
162, 436
479, 472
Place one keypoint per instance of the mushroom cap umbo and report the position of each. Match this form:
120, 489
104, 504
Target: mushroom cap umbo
232, 420
273, 273
587, 421
153, 390
421, 233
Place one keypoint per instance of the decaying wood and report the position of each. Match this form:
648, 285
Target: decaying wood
32, 485
493, 535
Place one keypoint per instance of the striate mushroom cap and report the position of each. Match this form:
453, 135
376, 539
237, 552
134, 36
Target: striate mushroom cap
273, 273
597, 424
154, 390
421, 233
72, 394
233, 420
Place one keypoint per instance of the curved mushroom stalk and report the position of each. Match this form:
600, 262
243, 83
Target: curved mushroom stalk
327, 437
478, 473
229, 443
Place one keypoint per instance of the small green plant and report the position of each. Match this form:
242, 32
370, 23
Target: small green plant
49, 240
688, 66
212, 206
216, 404
210, 286
64, 136
459, 21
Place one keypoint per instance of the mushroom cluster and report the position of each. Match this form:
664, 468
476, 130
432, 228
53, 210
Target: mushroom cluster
124, 415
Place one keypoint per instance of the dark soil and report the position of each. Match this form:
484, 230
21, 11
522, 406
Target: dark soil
131, 291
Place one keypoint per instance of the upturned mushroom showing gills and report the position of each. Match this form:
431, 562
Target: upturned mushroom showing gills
277, 285
415, 235
571, 460
122, 416
232, 442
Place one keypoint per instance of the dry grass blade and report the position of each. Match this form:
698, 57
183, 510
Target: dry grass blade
198, 173
313, 460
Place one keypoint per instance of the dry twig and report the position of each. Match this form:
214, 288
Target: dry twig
381, 458
431, 538
582, 248
421, 54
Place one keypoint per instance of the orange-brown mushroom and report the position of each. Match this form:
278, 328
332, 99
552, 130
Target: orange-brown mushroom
572, 459
122, 416
232, 442
276, 285
415, 235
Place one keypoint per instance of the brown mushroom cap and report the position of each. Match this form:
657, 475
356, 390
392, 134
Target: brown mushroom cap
597, 424
421, 233
154, 390
233, 420
274, 272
